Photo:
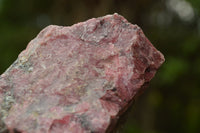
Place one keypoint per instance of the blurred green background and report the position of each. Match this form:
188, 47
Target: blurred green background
171, 104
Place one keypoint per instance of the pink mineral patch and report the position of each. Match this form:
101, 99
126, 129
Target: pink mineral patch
76, 79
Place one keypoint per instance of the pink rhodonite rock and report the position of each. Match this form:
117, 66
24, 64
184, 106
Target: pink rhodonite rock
77, 79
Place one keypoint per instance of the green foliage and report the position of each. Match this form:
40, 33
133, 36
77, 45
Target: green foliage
173, 69
195, 3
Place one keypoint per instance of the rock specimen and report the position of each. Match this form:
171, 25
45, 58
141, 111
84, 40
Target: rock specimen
76, 79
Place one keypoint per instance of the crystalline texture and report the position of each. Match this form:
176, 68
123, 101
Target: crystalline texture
77, 79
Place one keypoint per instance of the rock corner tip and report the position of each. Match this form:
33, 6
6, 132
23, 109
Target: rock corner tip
116, 14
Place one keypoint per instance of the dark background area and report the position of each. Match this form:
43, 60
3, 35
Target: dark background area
171, 103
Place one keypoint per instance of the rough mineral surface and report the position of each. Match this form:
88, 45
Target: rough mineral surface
76, 79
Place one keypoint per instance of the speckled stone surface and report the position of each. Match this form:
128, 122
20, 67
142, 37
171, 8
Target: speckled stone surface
77, 79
